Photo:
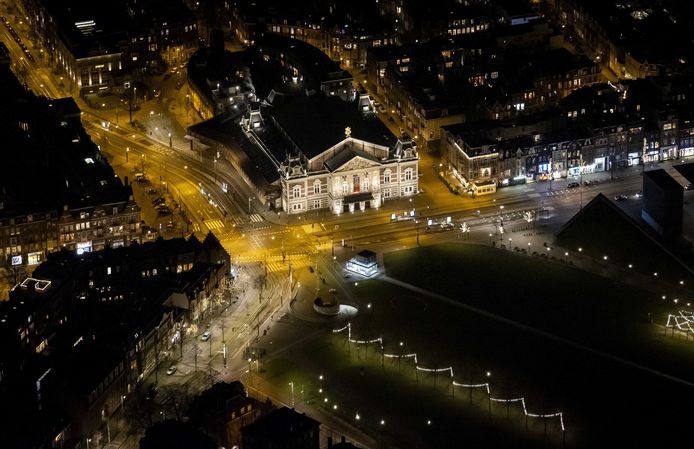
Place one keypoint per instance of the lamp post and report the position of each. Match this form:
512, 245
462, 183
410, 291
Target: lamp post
291, 384
170, 141
215, 169
127, 151
249, 206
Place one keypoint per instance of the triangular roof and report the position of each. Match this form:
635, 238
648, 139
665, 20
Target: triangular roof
317, 123
601, 228
355, 157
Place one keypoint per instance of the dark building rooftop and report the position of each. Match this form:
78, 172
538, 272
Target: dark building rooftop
663, 179
91, 28
316, 123
280, 425
55, 150
686, 170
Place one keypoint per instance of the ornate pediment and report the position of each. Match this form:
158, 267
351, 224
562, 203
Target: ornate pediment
357, 163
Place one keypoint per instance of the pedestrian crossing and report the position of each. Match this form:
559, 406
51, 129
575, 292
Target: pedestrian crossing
255, 218
214, 224
196, 227
560, 192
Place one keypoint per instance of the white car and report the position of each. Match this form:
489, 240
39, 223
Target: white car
171, 370
206, 335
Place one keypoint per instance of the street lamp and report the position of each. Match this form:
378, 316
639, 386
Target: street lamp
291, 384
170, 141
127, 150
249, 205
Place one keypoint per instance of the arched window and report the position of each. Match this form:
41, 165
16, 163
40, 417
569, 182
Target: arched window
386, 176
316, 187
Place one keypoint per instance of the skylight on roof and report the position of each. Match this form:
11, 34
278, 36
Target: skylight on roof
86, 27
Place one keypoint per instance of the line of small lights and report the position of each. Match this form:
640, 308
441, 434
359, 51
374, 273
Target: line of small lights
486, 385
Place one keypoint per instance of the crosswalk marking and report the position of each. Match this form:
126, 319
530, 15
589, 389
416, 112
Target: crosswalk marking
255, 218
196, 227
214, 224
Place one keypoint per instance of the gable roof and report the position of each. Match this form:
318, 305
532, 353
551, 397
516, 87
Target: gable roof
345, 156
317, 122
602, 228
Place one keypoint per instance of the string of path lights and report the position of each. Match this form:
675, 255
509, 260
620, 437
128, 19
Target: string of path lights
486, 385
683, 321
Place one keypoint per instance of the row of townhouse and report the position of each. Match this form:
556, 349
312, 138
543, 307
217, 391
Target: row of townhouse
96, 53
619, 37
86, 330
344, 41
477, 158
472, 77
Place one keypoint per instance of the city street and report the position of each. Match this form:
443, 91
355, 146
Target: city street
273, 253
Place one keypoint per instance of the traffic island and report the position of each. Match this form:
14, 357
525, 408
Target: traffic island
307, 305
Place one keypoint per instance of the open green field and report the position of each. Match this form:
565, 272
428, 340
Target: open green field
598, 313
607, 402
359, 380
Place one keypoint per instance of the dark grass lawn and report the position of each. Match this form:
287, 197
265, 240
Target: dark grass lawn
598, 312
606, 404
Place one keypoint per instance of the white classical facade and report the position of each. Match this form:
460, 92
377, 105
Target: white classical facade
324, 166
351, 176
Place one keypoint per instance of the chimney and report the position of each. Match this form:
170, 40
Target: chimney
342, 439
330, 442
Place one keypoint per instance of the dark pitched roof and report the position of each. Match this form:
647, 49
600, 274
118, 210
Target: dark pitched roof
280, 424
602, 228
686, 170
317, 123
663, 179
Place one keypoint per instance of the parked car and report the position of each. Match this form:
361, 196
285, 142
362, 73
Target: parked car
171, 370
164, 211
206, 335
689, 187
572, 185
620, 197
157, 201
639, 194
